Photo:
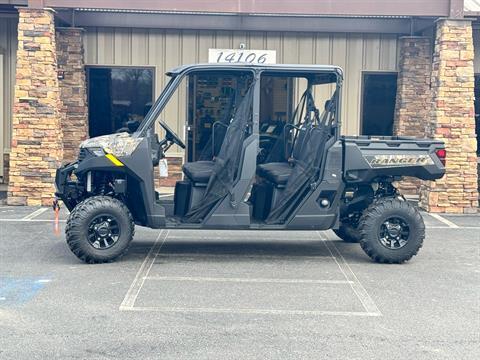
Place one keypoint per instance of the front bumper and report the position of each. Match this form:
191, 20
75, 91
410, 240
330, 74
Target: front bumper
67, 189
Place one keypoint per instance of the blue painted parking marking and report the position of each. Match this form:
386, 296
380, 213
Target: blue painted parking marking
18, 291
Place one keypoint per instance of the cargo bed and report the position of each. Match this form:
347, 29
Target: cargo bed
370, 157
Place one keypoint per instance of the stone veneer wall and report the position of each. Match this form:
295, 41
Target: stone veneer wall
36, 149
413, 102
73, 93
452, 120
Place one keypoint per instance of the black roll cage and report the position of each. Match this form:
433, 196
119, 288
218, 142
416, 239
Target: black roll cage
179, 73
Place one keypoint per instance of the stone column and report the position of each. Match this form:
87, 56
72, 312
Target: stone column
73, 93
452, 120
412, 107
413, 102
37, 137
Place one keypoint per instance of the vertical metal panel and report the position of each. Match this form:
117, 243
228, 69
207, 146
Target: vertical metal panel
223, 39
274, 42
306, 55
339, 57
91, 47
105, 46
256, 40
323, 55
239, 37
371, 53
139, 47
11, 66
189, 56
165, 49
476, 49
290, 49
8, 48
2, 111
351, 102
189, 47
206, 40
123, 46
290, 56
3, 83
388, 51
156, 53
173, 58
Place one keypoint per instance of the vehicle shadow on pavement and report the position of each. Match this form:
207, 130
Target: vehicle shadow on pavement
247, 248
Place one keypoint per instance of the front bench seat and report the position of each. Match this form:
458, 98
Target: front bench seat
199, 171
277, 172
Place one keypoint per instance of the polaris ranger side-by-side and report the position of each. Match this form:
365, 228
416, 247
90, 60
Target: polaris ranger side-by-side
288, 171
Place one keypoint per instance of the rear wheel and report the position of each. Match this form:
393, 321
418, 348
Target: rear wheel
99, 229
391, 231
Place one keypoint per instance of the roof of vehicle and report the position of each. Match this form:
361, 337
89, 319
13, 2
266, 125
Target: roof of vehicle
275, 67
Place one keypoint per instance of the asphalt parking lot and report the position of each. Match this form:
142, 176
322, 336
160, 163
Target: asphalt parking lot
237, 295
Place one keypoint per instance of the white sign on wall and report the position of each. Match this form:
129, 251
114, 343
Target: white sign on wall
242, 56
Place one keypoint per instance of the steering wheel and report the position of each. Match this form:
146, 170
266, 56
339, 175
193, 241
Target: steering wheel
171, 136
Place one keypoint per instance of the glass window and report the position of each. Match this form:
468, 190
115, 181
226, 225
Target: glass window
118, 98
378, 103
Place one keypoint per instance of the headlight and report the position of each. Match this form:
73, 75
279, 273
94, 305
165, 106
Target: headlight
97, 151
119, 145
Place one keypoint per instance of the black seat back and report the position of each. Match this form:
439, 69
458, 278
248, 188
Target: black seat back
298, 142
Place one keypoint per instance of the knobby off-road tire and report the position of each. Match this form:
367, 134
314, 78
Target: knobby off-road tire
108, 216
348, 233
384, 221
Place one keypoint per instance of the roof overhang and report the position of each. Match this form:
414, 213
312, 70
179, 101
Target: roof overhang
428, 8
372, 16
245, 22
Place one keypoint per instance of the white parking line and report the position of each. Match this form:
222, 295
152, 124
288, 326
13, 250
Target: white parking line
245, 280
35, 213
357, 287
142, 275
443, 220
137, 284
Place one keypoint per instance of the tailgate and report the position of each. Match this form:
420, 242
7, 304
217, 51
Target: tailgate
366, 158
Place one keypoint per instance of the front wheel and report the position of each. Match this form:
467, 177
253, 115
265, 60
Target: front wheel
99, 229
391, 231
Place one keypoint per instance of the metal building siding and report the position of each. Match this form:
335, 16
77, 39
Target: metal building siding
476, 49
8, 48
165, 49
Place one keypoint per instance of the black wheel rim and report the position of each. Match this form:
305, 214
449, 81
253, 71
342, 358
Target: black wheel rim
103, 231
394, 233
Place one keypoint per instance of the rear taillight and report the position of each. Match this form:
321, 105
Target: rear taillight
442, 155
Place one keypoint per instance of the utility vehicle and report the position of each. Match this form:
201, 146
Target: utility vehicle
288, 171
